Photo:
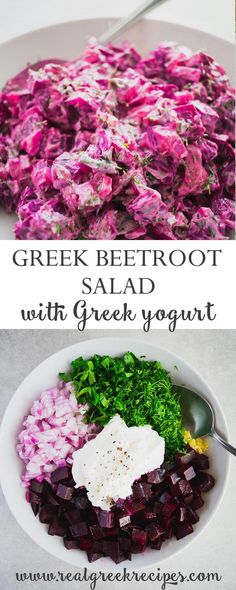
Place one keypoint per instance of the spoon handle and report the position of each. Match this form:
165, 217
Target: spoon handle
124, 23
223, 442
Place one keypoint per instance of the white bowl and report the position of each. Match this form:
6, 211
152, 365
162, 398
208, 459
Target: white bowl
45, 375
67, 40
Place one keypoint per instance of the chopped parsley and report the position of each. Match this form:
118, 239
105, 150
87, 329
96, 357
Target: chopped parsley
140, 391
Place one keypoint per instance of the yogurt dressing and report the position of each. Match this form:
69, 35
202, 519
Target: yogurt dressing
109, 464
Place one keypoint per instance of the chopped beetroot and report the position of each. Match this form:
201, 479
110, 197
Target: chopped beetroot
48, 513
201, 462
124, 520
157, 544
156, 476
165, 497
82, 502
72, 517
93, 556
197, 502
192, 515
186, 458
112, 549
56, 528
61, 474
173, 476
79, 529
154, 531
204, 482
183, 488
187, 471
36, 486
71, 543
64, 491
182, 529
35, 508
96, 532
141, 490
153, 514
106, 519
182, 513
138, 540
35, 498
169, 507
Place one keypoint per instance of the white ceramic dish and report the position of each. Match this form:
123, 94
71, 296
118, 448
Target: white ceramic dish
67, 40
45, 375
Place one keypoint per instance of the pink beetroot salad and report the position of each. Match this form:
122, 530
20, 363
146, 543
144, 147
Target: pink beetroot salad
113, 145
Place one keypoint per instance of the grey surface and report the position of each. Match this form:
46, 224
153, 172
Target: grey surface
212, 353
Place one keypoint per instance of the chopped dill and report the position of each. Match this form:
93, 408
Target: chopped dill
140, 391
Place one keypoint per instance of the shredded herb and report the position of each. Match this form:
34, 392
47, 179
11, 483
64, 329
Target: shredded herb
140, 391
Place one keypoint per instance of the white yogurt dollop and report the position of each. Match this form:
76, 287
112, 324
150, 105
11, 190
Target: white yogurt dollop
109, 464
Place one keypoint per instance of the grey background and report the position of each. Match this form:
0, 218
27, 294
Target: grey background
212, 353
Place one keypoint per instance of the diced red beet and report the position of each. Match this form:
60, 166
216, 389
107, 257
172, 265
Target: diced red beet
201, 462
173, 476
125, 543
187, 458
141, 490
105, 518
169, 507
36, 486
150, 515
85, 543
35, 508
111, 532
79, 529
60, 474
197, 502
167, 466
137, 507
72, 516
187, 471
35, 498
65, 492
48, 513
183, 488
163, 503
93, 556
96, 532
182, 529
71, 543
157, 544
51, 498
138, 537
204, 481
56, 528
124, 520
82, 502
112, 549
167, 522
192, 515
154, 531
157, 508
164, 497
168, 534
182, 513
156, 476
187, 499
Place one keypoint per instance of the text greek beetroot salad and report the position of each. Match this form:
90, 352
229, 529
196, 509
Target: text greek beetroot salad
113, 145
108, 465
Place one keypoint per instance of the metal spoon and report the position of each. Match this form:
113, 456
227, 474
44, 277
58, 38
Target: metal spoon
198, 416
125, 22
